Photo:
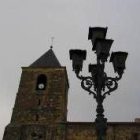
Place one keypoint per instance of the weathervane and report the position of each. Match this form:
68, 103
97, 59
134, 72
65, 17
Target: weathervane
52, 39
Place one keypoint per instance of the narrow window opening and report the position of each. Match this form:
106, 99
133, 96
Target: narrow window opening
36, 136
39, 102
37, 117
41, 82
135, 136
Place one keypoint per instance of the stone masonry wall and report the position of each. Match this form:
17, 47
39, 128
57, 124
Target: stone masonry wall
116, 131
37, 114
49, 104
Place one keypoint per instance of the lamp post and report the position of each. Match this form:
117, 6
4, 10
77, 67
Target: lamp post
99, 84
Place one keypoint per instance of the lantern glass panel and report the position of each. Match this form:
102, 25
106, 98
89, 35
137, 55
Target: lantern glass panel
77, 57
97, 32
118, 59
77, 62
103, 46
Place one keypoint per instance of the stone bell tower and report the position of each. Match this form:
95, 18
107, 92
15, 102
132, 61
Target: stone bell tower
40, 109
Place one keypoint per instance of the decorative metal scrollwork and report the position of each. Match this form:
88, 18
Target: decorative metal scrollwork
87, 84
109, 83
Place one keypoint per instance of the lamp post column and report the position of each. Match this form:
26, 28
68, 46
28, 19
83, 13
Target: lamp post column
100, 121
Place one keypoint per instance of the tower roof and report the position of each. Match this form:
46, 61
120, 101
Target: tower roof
47, 59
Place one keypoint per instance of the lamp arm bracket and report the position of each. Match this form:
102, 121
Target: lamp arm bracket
86, 84
118, 77
82, 77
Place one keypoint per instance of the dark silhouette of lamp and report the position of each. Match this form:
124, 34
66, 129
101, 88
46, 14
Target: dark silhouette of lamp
99, 84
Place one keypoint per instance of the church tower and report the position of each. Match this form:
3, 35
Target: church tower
40, 109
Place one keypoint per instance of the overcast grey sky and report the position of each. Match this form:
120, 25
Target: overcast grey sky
26, 30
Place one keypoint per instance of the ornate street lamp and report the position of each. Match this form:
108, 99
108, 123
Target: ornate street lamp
99, 84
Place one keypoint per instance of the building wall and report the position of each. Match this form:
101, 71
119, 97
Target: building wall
72, 131
38, 114
77, 131
115, 131
42, 114
35, 132
53, 100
